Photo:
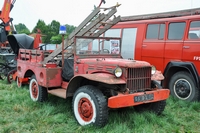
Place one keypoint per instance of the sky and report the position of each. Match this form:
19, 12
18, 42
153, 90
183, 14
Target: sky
73, 12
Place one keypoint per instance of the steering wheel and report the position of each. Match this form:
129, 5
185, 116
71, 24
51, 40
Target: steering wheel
105, 51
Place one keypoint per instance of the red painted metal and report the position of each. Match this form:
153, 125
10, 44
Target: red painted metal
136, 76
7, 20
126, 100
85, 109
5, 13
159, 52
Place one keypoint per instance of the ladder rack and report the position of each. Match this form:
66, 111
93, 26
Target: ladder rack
94, 25
187, 12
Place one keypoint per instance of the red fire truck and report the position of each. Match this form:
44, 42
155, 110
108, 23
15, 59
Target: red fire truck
171, 42
91, 71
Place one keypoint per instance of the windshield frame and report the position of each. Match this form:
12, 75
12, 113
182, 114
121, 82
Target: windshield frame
99, 54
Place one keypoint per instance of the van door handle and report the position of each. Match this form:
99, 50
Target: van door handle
186, 47
144, 45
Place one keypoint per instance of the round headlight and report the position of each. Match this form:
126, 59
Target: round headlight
118, 72
153, 70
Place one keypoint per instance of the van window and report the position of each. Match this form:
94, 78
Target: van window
194, 31
128, 42
176, 31
155, 31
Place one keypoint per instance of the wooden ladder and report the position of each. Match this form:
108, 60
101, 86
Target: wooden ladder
94, 25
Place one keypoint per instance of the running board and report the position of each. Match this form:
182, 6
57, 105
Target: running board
58, 92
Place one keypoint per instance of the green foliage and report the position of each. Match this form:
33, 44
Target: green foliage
56, 39
21, 28
51, 31
20, 114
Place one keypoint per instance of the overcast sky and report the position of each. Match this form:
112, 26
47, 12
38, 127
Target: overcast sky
73, 12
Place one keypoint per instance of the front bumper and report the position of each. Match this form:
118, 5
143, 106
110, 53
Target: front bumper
126, 100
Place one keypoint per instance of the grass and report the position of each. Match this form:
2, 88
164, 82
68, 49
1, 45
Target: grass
19, 114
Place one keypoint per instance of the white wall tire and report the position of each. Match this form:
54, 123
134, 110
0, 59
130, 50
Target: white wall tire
84, 109
37, 92
90, 106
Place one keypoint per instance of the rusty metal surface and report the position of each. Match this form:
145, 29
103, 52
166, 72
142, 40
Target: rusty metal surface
103, 77
115, 61
58, 92
157, 76
139, 79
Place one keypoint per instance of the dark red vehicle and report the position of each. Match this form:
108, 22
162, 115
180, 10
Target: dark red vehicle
96, 78
169, 41
93, 73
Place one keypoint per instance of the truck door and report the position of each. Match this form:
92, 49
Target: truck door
153, 45
174, 42
191, 45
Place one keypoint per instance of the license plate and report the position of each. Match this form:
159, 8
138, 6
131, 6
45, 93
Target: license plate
145, 97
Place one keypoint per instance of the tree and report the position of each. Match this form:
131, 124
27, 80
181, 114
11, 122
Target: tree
43, 28
21, 28
51, 31
57, 39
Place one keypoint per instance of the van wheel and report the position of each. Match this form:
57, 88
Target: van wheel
37, 92
90, 106
155, 107
182, 86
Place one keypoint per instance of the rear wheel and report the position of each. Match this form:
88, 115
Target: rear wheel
90, 106
182, 86
37, 92
155, 107
10, 76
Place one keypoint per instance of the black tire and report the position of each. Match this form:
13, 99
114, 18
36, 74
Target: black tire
90, 106
182, 86
37, 92
3, 71
10, 76
155, 107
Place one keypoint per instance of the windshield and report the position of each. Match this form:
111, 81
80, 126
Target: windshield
98, 46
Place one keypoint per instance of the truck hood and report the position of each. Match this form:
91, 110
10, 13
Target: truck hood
114, 62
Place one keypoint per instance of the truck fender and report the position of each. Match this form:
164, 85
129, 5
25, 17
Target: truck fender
157, 76
175, 66
75, 82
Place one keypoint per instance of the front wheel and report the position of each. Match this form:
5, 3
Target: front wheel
90, 106
37, 92
182, 86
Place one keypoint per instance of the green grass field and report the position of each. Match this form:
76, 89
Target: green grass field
19, 114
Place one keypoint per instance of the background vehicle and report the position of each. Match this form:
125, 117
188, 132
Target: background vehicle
170, 41
7, 58
95, 77
6, 26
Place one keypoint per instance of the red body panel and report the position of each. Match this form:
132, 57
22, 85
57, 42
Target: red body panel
47, 76
123, 100
161, 52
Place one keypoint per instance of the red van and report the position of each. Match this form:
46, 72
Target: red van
171, 42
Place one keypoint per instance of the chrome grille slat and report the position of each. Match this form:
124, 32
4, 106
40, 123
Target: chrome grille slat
139, 79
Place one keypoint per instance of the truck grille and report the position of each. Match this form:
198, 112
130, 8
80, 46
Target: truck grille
139, 79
